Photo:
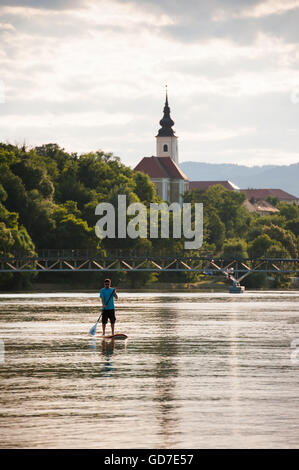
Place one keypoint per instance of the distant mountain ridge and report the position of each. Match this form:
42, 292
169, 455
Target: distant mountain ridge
284, 177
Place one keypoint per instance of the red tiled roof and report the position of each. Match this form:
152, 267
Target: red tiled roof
160, 167
262, 194
207, 184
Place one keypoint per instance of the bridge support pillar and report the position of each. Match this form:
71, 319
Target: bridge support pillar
236, 288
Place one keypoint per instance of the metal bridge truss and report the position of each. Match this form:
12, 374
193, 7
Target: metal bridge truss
234, 269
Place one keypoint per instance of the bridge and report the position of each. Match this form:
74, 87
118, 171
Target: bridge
234, 269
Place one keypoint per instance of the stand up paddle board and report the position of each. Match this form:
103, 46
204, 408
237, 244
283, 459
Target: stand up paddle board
116, 336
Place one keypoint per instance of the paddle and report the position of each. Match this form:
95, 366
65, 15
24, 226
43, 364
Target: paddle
93, 330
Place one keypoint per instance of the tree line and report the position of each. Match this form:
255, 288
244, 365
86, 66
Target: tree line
48, 199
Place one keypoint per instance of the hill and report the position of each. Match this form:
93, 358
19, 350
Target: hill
284, 177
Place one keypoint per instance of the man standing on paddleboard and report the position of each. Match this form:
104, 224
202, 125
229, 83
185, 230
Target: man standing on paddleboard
107, 295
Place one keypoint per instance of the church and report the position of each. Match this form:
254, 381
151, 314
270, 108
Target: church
163, 169
171, 182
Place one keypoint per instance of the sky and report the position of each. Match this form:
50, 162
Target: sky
91, 74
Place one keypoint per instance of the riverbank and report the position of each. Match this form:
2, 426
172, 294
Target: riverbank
202, 286
157, 287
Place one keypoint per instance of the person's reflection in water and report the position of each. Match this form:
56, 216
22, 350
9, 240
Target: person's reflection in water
107, 352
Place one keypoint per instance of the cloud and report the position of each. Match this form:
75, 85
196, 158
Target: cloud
45, 4
236, 20
242, 30
91, 74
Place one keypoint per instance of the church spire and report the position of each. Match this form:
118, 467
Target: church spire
166, 122
166, 140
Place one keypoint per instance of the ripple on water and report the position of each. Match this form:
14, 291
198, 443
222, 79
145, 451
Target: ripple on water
198, 370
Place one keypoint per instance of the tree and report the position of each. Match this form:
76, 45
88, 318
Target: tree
16, 200
289, 211
272, 200
259, 246
38, 218
285, 237
145, 188
234, 248
74, 233
224, 214
216, 230
52, 152
293, 226
13, 238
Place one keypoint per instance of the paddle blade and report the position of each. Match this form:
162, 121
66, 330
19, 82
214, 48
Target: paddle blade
93, 330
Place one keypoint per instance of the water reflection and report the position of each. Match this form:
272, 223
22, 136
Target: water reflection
166, 373
197, 371
104, 348
234, 371
107, 368
93, 344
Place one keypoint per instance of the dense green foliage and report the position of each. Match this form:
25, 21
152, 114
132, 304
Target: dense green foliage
231, 231
48, 199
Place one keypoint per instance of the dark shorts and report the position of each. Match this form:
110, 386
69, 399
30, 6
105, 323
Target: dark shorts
108, 314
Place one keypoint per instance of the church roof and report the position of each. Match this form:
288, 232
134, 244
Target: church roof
160, 167
166, 122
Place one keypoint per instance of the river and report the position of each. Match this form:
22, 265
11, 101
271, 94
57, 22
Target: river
198, 370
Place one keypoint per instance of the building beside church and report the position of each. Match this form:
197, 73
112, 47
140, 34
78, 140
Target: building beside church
163, 169
256, 195
203, 185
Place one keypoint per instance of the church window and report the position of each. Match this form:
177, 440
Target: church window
165, 148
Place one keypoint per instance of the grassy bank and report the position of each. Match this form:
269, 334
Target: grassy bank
202, 286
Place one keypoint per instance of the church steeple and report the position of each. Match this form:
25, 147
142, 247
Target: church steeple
167, 145
166, 122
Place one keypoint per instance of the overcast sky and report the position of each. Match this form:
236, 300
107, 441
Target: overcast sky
91, 74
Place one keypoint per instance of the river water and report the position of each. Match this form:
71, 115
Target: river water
198, 370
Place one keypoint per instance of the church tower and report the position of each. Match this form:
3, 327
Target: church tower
167, 144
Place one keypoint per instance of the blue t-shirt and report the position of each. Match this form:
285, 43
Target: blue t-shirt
105, 294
